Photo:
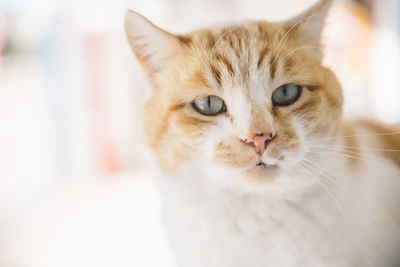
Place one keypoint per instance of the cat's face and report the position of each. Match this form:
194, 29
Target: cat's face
239, 103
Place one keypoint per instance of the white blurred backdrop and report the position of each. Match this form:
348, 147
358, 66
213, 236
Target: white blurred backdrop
76, 184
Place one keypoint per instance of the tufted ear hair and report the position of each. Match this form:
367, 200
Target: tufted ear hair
310, 23
152, 46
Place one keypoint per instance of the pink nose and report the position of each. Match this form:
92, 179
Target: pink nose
259, 141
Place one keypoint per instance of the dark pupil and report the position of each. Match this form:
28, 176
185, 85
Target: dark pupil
285, 91
209, 102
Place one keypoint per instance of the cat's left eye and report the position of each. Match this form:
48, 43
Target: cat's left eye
286, 94
210, 105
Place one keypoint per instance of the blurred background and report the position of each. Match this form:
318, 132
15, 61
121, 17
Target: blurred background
76, 185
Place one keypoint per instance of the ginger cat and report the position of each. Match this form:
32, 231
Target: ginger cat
259, 167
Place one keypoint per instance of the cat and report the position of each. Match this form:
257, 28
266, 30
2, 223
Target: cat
259, 168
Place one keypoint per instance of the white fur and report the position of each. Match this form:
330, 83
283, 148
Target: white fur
284, 225
336, 215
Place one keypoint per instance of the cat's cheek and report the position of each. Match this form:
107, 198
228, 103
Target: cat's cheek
222, 130
285, 153
233, 153
290, 159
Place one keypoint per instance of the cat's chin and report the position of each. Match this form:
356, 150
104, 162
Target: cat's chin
262, 172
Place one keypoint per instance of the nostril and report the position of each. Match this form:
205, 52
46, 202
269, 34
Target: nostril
259, 134
270, 135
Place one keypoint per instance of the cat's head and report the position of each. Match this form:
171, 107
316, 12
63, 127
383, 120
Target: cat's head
237, 103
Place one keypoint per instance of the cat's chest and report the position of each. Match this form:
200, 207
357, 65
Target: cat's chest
240, 231
331, 224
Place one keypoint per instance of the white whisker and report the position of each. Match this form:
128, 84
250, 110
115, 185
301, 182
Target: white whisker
356, 135
220, 38
345, 150
309, 163
299, 48
358, 147
286, 34
334, 153
327, 190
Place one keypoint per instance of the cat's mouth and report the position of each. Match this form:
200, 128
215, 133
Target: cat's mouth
262, 170
265, 165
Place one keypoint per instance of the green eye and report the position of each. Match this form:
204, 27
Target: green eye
210, 105
286, 95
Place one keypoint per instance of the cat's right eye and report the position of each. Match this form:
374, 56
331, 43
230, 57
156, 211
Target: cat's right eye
210, 105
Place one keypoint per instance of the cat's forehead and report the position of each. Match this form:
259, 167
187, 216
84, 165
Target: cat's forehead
239, 48
245, 56
239, 37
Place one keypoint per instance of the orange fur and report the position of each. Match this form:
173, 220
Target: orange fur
213, 61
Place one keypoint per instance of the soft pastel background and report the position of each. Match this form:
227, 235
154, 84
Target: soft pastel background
76, 185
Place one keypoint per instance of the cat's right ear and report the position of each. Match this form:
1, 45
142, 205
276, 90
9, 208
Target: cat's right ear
152, 46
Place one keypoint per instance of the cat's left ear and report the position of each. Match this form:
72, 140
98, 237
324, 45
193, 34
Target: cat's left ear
309, 24
152, 46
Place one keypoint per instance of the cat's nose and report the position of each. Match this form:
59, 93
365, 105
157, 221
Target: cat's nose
259, 141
